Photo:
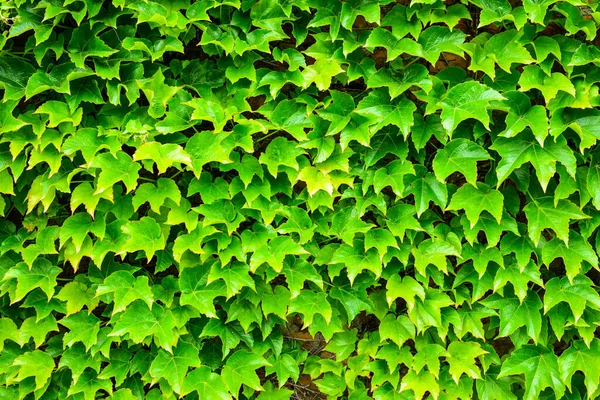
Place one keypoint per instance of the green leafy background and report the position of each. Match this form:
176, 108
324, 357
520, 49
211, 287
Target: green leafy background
299, 199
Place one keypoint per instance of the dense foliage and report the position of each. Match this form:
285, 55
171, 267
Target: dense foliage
302, 198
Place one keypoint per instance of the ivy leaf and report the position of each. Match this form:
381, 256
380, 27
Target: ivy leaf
346, 224
126, 289
426, 188
115, 168
523, 115
196, 292
515, 313
579, 357
506, 48
583, 121
156, 195
37, 364
145, 235
309, 303
139, 322
399, 81
206, 383
85, 43
42, 274
77, 295
540, 367
173, 366
236, 276
542, 214
394, 45
8, 330
297, 272
205, 147
89, 384
516, 152
14, 74
533, 77
467, 100
77, 227
83, 328
406, 288
577, 292
573, 255
398, 330
476, 199
59, 112
381, 111
437, 39
164, 155
338, 112
357, 259
240, 370
392, 175
461, 357
157, 93
519, 278
459, 155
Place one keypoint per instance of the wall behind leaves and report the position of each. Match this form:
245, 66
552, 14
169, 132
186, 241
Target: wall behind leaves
302, 199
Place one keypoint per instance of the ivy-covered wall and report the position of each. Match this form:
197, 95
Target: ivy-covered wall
305, 199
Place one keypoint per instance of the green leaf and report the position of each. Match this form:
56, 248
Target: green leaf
285, 367
8, 330
309, 303
205, 147
145, 235
573, 255
426, 188
89, 384
196, 292
240, 370
42, 274
398, 330
540, 367
207, 384
506, 48
474, 200
461, 357
14, 74
157, 93
156, 195
381, 111
77, 227
543, 214
84, 43
459, 155
578, 293
395, 46
77, 295
60, 112
83, 328
164, 155
115, 168
515, 313
37, 364
523, 115
533, 77
392, 175
579, 357
297, 272
438, 39
173, 366
138, 322
467, 100
126, 289
516, 152
357, 259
